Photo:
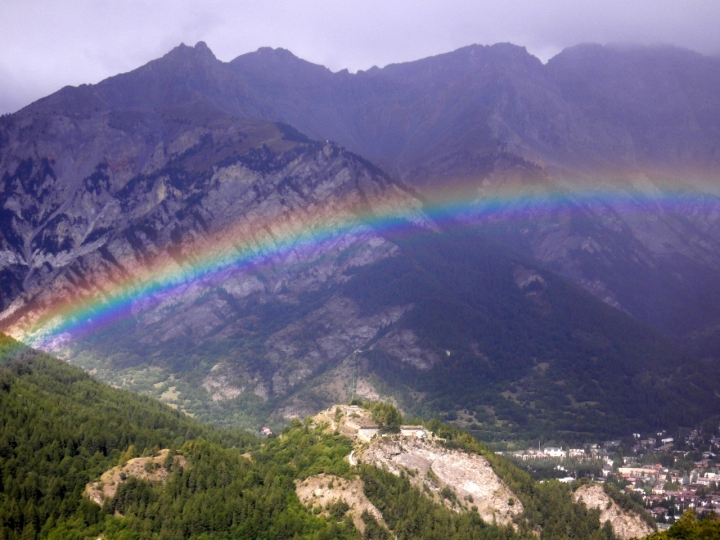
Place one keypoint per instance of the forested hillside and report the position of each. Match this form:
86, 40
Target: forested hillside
60, 429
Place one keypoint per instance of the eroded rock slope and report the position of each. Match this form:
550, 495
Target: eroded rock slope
625, 524
462, 481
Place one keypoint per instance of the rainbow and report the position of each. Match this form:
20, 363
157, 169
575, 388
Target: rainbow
251, 243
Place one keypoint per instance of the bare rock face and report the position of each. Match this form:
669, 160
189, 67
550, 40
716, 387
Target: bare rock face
102, 202
428, 464
150, 469
341, 331
402, 343
324, 490
625, 524
226, 189
219, 385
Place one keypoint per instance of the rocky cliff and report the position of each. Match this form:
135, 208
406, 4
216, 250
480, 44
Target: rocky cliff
625, 524
432, 467
460, 480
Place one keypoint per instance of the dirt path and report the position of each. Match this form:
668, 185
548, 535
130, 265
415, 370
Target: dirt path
333, 426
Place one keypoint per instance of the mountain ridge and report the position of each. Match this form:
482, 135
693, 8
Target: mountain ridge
159, 164
510, 58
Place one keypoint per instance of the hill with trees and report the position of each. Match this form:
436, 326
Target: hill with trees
60, 430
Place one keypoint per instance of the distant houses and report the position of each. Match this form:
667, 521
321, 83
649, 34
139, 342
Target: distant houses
642, 467
638, 472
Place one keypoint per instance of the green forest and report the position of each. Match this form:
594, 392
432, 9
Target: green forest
60, 429
689, 527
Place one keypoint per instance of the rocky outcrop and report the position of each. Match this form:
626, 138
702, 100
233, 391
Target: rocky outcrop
325, 490
151, 469
625, 524
461, 481
469, 477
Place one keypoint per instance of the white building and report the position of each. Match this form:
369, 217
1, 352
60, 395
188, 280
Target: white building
552, 451
414, 431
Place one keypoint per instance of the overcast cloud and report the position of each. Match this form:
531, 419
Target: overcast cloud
47, 44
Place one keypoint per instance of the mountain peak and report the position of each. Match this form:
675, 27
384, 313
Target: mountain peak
202, 48
277, 63
268, 54
199, 52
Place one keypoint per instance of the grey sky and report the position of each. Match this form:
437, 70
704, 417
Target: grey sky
47, 44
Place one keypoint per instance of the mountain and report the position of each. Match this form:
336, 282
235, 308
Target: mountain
161, 232
625, 122
618, 123
593, 108
81, 459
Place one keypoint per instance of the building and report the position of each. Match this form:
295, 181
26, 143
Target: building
414, 431
637, 472
552, 451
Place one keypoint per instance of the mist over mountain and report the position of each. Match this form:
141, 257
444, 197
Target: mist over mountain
586, 317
